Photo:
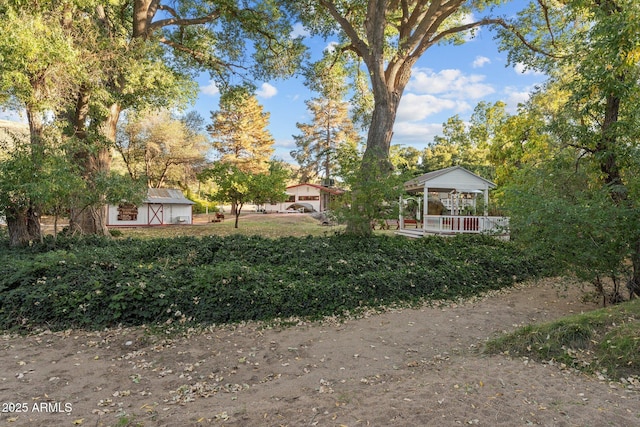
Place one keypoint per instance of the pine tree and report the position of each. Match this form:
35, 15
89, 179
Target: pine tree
239, 132
330, 126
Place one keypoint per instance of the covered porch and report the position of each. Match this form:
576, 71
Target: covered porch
449, 201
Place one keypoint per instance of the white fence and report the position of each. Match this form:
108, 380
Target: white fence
466, 224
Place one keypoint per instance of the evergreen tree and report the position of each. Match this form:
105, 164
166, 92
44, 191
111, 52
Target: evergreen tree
239, 132
330, 125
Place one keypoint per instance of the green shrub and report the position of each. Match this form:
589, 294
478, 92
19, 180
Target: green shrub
97, 282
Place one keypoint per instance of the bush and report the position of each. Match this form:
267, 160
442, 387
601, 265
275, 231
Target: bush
95, 282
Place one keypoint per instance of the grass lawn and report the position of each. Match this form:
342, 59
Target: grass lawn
249, 224
605, 341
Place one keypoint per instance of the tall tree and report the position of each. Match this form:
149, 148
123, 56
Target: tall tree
388, 37
36, 73
239, 131
160, 148
160, 40
330, 126
463, 144
596, 65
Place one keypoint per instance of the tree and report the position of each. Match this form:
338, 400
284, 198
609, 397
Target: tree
388, 37
239, 132
595, 65
522, 140
270, 187
235, 186
36, 72
405, 159
330, 126
134, 54
161, 148
466, 145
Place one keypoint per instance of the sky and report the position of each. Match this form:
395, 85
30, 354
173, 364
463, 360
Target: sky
446, 81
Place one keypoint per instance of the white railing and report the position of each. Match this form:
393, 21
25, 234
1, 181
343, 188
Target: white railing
466, 224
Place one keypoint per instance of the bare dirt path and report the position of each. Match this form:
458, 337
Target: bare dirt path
409, 367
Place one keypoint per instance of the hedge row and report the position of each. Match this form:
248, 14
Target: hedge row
94, 283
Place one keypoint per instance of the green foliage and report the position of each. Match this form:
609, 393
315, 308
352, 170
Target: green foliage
239, 131
238, 187
162, 148
374, 192
554, 212
95, 282
604, 341
570, 157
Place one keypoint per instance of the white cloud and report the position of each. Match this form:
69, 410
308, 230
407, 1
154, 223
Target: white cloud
331, 47
287, 144
299, 31
13, 116
521, 68
450, 83
210, 89
415, 107
515, 96
480, 61
417, 135
267, 91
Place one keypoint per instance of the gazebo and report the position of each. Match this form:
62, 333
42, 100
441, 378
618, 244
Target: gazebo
458, 190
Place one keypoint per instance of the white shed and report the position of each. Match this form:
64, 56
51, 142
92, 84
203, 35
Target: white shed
161, 207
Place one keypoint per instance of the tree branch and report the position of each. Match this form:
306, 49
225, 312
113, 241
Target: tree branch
358, 45
200, 57
183, 22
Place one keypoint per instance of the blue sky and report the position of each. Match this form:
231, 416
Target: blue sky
447, 80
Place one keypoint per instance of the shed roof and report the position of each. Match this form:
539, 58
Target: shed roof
452, 178
167, 195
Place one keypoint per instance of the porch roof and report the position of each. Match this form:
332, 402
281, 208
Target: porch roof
448, 179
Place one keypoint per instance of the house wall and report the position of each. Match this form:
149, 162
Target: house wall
171, 213
174, 213
300, 194
112, 216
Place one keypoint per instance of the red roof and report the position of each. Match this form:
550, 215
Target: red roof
329, 190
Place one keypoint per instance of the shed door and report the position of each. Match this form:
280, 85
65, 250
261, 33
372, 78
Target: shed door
156, 214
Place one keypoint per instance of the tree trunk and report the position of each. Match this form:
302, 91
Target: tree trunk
92, 219
236, 212
142, 13
613, 179
17, 227
24, 223
376, 166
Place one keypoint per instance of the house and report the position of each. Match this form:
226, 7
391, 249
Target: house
161, 207
305, 198
463, 194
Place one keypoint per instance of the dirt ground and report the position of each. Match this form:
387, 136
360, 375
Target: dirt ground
409, 367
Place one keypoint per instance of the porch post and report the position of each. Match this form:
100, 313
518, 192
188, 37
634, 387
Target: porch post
400, 213
486, 200
425, 207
